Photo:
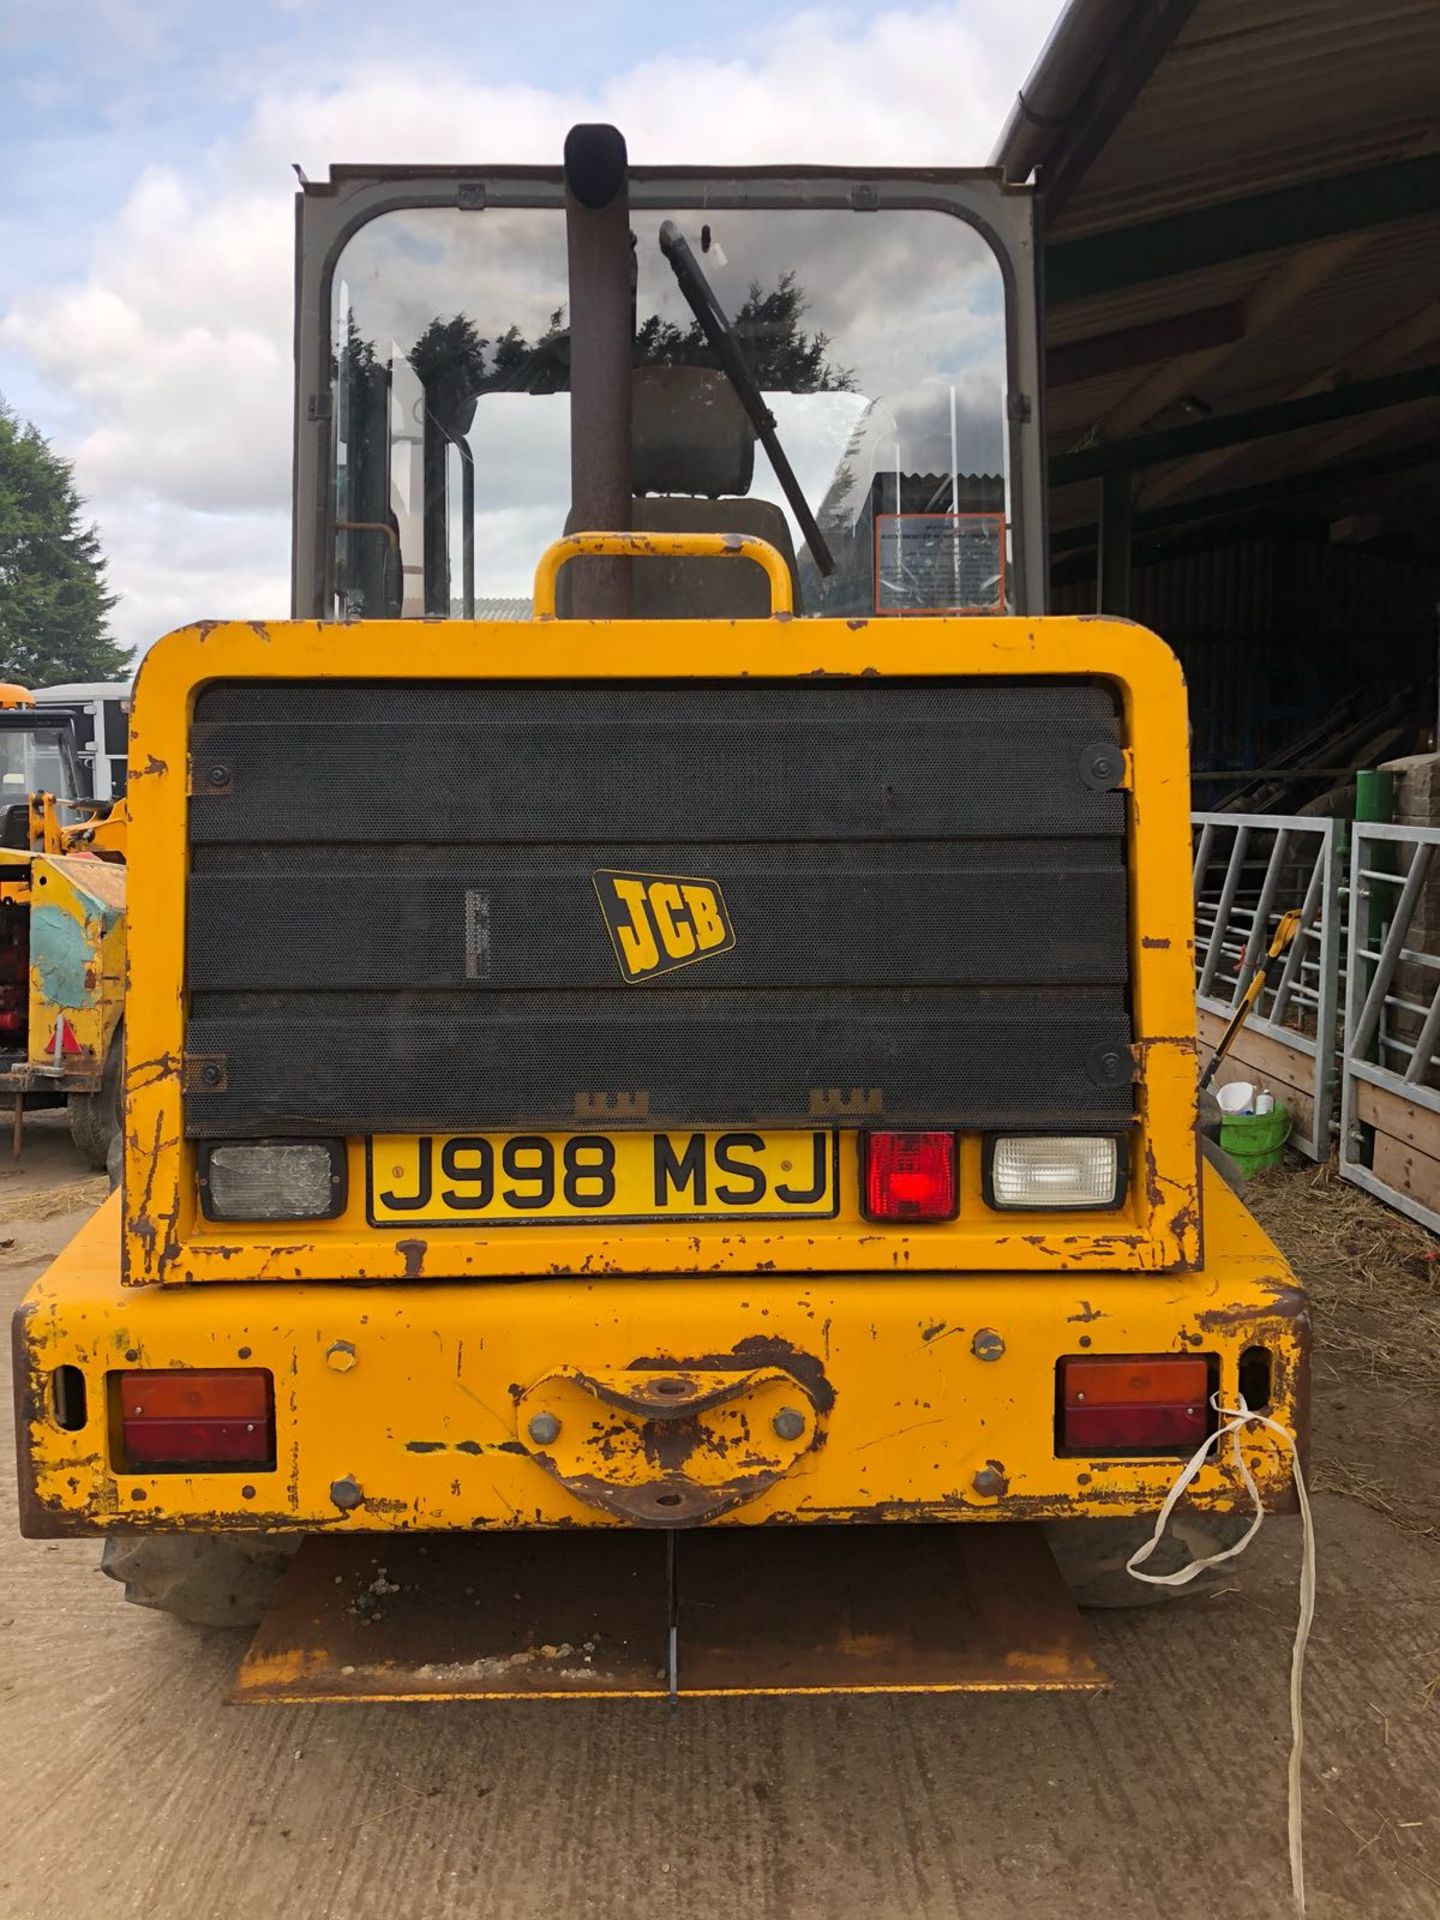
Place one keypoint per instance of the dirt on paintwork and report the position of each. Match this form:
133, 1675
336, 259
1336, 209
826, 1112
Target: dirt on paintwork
130, 1789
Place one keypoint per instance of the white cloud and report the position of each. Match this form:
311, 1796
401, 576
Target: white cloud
175, 347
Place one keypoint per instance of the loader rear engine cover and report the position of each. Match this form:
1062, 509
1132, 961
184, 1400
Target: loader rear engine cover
661, 1034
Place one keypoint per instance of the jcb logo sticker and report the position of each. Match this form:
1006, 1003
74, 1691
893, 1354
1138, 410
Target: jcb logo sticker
659, 921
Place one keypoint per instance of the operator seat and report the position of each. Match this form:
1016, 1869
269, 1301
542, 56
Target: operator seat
693, 458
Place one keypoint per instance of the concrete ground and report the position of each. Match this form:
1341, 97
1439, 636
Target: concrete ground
128, 1788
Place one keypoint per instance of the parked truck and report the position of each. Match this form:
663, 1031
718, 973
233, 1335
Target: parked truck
660, 1105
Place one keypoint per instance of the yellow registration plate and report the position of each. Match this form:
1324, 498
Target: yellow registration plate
522, 1179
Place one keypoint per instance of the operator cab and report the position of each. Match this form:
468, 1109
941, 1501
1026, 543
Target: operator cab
37, 755
837, 366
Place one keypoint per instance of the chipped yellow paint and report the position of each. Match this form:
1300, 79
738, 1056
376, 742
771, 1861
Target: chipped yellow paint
77, 958
432, 1421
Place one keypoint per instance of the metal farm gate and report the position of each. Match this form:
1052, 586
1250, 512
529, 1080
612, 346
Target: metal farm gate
1354, 1018
1250, 868
1390, 1088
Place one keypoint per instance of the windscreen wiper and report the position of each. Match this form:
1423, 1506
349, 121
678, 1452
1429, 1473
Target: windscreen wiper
717, 330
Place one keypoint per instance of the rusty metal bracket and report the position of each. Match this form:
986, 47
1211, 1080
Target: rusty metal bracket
205, 1072
667, 1449
206, 774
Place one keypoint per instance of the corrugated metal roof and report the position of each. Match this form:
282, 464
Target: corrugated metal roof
1249, 96
1263, 93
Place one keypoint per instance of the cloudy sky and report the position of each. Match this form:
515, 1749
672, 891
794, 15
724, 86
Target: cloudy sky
146, 228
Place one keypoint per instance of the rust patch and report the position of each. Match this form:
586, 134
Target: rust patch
756, 1350
1183, 1042
413, 1252
146, 1226
1286, 1302
205, 1073
1152, 1175
827, 1102
664, 1502
1157, 941
1086, 1314
150, 1073
1186, 1221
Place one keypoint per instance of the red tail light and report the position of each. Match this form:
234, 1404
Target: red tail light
193, 1416
910, 1176
1110, 1405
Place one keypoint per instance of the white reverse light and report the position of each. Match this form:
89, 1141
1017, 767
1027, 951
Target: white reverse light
273, 1180
1043, 1171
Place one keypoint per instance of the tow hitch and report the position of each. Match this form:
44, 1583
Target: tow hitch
668, 1449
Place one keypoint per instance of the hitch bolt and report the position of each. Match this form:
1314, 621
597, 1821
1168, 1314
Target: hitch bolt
987, 1344
789, 1424
340, 1356
544, 1428
346, 1493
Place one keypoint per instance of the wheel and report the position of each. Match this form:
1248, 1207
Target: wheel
95, 1117
209, 1579
1091, 1554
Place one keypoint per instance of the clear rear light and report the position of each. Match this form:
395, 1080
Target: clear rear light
910, 1176
272, 1179
1031, 1171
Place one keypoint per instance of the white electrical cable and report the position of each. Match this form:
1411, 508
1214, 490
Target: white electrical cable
1236, 1419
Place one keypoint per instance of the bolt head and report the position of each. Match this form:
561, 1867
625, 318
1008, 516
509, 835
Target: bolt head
346, 1493
990, 1481
789, 1423
340, 1356
987, 1344
543, 1429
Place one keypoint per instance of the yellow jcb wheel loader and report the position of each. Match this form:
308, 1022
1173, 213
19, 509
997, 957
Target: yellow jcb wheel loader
660, 1099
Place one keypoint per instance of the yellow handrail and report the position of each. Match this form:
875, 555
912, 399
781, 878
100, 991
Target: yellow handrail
664, 546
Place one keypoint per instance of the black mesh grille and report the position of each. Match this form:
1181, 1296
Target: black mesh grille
394, 924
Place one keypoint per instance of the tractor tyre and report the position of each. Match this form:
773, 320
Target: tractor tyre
95, 1117
207, 1579
1091, 1555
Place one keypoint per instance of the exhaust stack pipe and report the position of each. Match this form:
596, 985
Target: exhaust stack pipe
602, 339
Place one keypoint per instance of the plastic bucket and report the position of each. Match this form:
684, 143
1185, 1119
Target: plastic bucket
1256, 1139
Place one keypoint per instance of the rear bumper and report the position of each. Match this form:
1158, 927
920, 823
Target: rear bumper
410, 1406
83, 1078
